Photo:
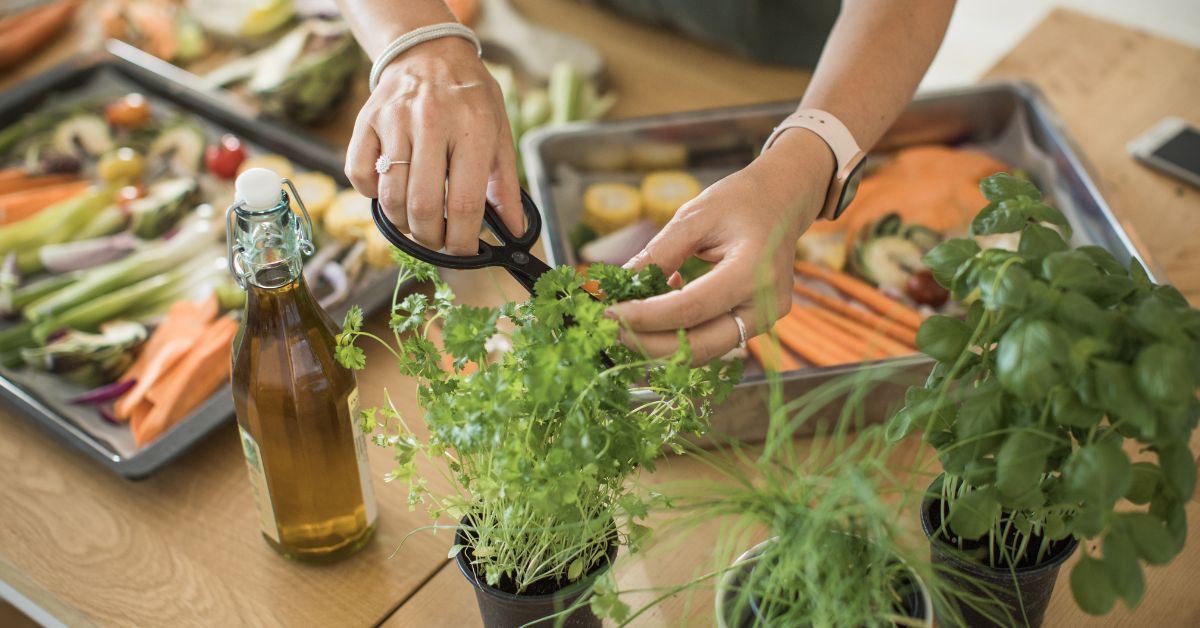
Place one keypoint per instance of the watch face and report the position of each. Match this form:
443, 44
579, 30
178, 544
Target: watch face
850, 188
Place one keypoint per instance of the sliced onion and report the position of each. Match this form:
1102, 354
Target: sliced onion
108, 416
619, 246
339, 284
104, 394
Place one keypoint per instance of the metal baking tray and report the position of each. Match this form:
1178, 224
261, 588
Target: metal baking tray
1010, 120
119, 69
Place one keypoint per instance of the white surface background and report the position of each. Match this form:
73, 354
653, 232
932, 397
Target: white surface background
982, 31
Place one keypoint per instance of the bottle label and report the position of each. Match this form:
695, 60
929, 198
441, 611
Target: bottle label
258, 485
364, 465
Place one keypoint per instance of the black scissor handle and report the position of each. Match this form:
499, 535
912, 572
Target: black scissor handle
512, 253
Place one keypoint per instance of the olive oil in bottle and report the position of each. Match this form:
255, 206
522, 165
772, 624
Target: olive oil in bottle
296, 406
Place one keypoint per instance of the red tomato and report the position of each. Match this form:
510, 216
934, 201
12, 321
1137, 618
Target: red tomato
223, 159
128, 112
923, 288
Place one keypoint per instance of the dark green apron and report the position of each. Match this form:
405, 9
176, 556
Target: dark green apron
783, 32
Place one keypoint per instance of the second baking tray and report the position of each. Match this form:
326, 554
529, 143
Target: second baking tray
1011, 121
119, 70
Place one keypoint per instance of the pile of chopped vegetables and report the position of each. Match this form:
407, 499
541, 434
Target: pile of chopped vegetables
861, 287
113, 273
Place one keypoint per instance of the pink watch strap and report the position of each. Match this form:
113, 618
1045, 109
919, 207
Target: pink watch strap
846, 151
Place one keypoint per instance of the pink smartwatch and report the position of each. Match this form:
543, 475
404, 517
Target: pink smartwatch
848, 156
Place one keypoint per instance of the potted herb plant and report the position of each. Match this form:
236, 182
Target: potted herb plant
833, 554
1067, 362
541, 441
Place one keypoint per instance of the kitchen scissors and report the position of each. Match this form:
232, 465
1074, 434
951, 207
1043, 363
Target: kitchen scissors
512, 254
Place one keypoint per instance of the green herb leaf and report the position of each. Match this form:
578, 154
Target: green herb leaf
1124, 571
945, 259
1119, 395
943, 338
1020, 462
1151, 539
1026, 358
1163, 374
1099, 472
973, 514
1071, 270
1002, 186
1008, 287
1179, 469
1037, 242
981, 419
1069, 411
1146, 479
1091, 586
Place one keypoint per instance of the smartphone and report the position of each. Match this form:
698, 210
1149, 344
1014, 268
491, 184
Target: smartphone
1172, 147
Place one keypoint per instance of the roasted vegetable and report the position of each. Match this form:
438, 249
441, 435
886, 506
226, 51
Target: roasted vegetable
663, 193
349, 217
83, 135
887, 261
316, 80
131, 111
317, 190
23, 34
164, 204
120, 166
85, 358
56, 223
611, 206
179, 148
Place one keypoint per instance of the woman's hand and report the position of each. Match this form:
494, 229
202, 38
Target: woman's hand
437, 107
747, 223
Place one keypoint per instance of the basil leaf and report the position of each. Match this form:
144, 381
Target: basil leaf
1163, 374
1102, 258
1124, 571
1179, 469
980, 419
943, 338
1071, 270
1146, 478
1002, 186
1091, 586
945, 259
1005, 288
1150, 538
1004, 216
974, 513
1068, 410
1118, 395
1020, 462
1026, 355
1099, 473
1037, 242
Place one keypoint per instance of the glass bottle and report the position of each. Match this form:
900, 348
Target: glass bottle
296, 406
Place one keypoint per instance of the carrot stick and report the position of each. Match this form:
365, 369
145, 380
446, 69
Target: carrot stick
190, 383
870, 336
22, 182
185, 321
18, 206
32, 29
868, 319
771, 355
856, 346
158, 365
864, 293
811, 346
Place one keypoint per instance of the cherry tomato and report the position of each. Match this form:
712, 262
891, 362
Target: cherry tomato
923, 288
129, 112
222, 159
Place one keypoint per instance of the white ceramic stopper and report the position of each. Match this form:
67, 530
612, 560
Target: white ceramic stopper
258, 188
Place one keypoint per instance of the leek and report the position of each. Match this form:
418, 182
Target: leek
57, 223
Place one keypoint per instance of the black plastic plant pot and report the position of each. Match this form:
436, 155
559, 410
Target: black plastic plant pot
500, 609
999, 596
916, 605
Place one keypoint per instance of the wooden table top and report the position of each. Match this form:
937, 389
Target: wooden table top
182, 548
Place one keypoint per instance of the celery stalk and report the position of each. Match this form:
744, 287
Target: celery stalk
107, 222
137, 300
566, 83
15, 337
56, 223
150, 261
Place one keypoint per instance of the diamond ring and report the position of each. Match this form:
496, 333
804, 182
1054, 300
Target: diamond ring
384, 163
741, 325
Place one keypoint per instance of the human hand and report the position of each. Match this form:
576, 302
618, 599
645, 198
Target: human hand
747, 224
437, 107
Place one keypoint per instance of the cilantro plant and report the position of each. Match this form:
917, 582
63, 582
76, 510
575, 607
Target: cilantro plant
1067, 361
540, 443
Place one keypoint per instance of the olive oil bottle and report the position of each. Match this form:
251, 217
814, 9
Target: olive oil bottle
296, 406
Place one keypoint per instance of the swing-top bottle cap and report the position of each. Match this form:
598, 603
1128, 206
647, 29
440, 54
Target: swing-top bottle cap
258, 188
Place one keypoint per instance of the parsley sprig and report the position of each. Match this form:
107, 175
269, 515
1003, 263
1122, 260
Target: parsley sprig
541, 442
